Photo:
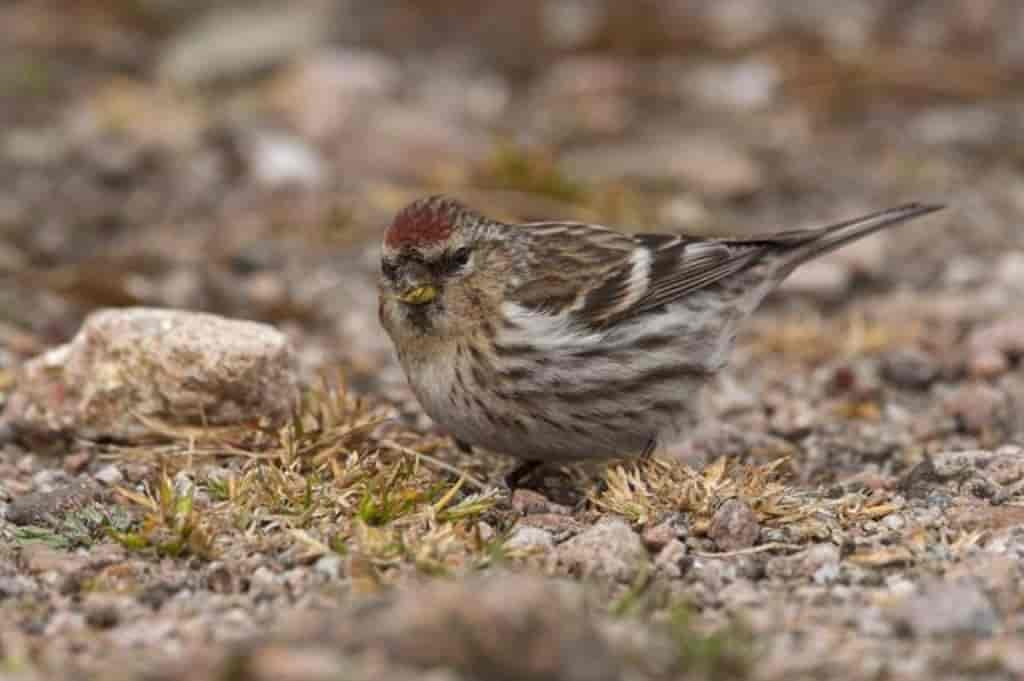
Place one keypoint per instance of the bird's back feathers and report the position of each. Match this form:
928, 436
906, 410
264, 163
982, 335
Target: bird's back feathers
600, 277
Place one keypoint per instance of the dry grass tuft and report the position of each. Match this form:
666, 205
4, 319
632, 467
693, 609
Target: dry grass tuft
336, 478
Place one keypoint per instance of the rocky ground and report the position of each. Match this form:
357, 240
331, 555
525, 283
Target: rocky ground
190, 496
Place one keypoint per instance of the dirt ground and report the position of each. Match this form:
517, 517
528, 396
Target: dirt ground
852, 505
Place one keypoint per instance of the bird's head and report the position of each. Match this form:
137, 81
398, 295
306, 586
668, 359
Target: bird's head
431, 266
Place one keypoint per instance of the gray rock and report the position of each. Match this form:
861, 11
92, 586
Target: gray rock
734, 526
748, 85
109, 475
608, 549
279, 160
38, 557
670, 528
672, 559
526, 538
43, 508
331, 565
1010, 271
991, 347
323, 93
980, 408
909, 368
948, 609
498, 627
127, 368
235, 43
529, 502
819, 563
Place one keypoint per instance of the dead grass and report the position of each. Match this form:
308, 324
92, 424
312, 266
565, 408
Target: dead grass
336, 479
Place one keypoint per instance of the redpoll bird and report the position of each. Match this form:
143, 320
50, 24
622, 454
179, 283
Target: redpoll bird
563, 341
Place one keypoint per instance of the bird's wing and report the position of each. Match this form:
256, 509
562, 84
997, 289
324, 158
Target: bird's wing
599, 276
596, 277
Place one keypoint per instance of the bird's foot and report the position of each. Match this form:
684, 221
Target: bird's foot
518, 475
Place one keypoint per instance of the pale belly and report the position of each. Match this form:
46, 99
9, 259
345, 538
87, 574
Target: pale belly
553, 430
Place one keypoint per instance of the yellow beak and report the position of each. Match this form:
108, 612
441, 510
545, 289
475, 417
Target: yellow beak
418, 295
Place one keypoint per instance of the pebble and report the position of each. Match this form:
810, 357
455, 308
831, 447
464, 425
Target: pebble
279, 160
109, 475
734, 526
672, 559
609, 549
530, 502
238, 42
45, 508
948, 608
909, 368
331, 565
529, 539
991, 348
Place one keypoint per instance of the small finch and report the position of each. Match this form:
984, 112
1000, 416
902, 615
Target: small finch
565, 341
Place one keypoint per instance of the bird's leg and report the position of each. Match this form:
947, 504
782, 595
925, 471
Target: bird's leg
649, 448
514, 479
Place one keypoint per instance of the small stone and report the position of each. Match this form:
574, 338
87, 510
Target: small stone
239, 42
128, 365
921, 480
529, 502
675, 526
102, 615
529, 539
909, 368
948, 608
331, 565
560, 526
109, 475
37, 557
978, 408
324, 92
734, 526
43, 508
1007, 465
608, 549
894, 522
279, 160
657, 537
821, 563
485, 531
672, 560
793, 419
968, 125
1010, 271
499, 627
748, 85
77, 462
992, 348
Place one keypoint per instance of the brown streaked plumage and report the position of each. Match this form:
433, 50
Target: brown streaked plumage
566, 341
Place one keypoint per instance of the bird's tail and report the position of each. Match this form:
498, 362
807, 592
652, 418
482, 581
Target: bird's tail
812, 243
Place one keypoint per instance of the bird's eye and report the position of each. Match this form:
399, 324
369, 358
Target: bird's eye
388, 269
459, 259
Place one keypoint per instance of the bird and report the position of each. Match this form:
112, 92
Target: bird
560, 342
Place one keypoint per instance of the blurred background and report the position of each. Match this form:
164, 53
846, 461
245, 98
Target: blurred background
244, 158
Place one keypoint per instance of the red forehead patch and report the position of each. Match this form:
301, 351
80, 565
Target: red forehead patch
423, 222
